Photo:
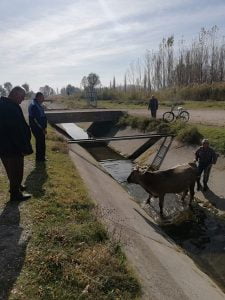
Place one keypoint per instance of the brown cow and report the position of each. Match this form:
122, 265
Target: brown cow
175, 180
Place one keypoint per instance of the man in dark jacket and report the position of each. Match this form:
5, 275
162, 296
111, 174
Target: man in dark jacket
153, 106
205, 156
38, 125
15, 138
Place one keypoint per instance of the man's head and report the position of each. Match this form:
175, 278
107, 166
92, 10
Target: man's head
39, 97
205, 143
17, 94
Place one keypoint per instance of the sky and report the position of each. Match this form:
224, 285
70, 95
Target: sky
58, 42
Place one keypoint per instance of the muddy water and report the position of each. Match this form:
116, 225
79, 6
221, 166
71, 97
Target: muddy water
200, 233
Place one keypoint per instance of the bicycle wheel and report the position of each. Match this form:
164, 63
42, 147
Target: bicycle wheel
168, 116
184, 116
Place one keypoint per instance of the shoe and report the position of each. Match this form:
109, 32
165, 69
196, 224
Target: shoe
20, 197
23, 188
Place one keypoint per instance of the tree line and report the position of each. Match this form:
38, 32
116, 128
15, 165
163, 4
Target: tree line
200, 63
7, 87
203, 61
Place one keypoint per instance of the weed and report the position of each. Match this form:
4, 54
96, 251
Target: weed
70, 255
190, 134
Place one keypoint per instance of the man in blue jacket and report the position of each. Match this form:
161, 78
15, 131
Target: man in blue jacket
38, 125
15, 143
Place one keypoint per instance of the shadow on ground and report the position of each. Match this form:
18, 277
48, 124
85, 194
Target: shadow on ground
217, 201
13, 244
36, 179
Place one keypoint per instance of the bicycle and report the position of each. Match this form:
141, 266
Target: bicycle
180, 114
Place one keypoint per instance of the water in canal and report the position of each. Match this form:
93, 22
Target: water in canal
201, 233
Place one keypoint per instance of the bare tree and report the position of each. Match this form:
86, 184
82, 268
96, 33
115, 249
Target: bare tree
125, 83
3, 92
47, 90
114, 83
26, 87
8, 86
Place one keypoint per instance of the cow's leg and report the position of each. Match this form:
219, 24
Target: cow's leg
161, 201
192, 193
184, 195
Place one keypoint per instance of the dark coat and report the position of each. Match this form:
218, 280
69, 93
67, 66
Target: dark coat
15, 133
205, 156
153, 104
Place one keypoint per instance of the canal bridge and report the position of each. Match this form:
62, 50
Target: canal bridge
85, 115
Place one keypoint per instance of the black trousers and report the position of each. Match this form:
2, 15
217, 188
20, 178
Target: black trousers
153, 113
40, 144
14, 169
205, 169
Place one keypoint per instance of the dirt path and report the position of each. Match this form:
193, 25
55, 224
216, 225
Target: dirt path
164, 270
206, 116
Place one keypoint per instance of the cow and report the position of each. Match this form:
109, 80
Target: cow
158, 183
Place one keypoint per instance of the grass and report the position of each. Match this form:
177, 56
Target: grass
216, 136
70, 254
74, 102
189, 134
143, 104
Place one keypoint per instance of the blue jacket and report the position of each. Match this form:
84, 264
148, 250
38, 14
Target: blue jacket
37, 117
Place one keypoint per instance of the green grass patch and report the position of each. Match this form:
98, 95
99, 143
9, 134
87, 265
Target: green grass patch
76, 103
163, 104
70, 255
186, 133
203, 105
216, 136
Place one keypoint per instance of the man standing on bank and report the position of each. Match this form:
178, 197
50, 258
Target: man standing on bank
153, 106
206, 157
38, 125
15, 139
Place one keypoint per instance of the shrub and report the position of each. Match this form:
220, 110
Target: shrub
185, 133
190, 135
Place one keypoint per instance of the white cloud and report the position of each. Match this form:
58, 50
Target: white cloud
80, 36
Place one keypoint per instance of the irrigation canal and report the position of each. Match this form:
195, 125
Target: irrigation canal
199, 232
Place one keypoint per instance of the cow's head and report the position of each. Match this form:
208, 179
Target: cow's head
135, 174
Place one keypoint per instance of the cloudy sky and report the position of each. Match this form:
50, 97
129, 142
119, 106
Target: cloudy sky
58, 42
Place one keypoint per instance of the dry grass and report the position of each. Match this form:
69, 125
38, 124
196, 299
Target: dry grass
70, 255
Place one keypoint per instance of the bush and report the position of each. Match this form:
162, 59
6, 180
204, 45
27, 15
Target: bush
185, 133
190, 135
